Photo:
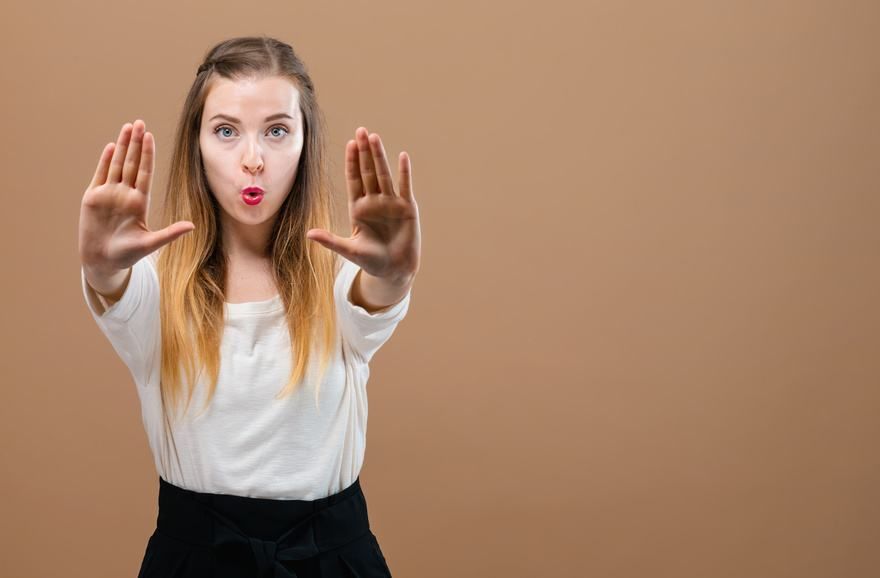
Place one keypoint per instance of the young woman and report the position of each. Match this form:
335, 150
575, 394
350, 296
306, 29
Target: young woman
247, 305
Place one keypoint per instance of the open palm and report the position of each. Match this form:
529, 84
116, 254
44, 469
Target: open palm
385, 239
113, 232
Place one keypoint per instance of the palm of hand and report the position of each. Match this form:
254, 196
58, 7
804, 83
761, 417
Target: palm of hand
383, 229
386, 238
113, 232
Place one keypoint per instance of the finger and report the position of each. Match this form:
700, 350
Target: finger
365, 157
380, 161
148, 164
404, 177
344, 247
133, 155
100, 176
115, 174
353, 171
157, 239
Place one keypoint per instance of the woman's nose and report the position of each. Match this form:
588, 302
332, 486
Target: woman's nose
253, 166
252, 160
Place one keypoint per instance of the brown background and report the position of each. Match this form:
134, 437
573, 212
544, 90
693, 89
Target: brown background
644, 339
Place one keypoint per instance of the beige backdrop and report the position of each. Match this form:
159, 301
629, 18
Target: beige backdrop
644, 339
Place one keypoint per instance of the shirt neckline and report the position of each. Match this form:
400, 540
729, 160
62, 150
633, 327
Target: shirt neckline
254, 307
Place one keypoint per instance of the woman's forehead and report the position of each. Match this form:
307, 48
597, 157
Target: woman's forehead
251, 98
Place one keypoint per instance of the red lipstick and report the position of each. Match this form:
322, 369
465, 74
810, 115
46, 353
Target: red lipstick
252, 195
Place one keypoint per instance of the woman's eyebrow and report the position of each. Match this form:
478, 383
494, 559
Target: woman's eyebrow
268, 118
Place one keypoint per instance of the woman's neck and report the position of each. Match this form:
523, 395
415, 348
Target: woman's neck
246, 243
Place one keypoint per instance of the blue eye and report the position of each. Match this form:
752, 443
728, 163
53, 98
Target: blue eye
225, 127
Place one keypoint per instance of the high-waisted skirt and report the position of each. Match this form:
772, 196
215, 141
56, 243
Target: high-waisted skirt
224, 536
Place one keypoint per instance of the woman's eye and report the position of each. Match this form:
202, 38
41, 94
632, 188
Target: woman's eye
279, 127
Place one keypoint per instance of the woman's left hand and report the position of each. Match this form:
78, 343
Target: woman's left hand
385, 240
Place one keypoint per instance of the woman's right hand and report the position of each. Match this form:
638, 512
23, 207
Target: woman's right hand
113, 233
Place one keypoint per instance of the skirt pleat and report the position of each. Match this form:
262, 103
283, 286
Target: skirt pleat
360, 559
169, 558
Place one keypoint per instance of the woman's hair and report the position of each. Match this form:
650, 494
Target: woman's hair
192, 269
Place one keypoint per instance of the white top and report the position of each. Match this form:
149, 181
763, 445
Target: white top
247, 443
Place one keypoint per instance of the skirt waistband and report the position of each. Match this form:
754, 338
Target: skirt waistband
264, 530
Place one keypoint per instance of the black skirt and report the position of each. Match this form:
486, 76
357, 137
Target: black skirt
225, 536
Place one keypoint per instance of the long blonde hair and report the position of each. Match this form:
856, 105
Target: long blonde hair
192, 269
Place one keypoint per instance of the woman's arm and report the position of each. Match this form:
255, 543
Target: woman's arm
377, 293
113, 235
386, 236
108, 287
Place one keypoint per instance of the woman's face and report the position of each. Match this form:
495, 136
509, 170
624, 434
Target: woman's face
251, 135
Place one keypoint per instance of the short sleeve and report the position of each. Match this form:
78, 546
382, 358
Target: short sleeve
132, 324
365, 332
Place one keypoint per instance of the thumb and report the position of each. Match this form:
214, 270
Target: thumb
333, 242
164, 236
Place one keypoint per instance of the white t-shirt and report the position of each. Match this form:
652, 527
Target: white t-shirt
247, 443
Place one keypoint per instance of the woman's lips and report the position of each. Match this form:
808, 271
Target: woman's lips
252, 198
